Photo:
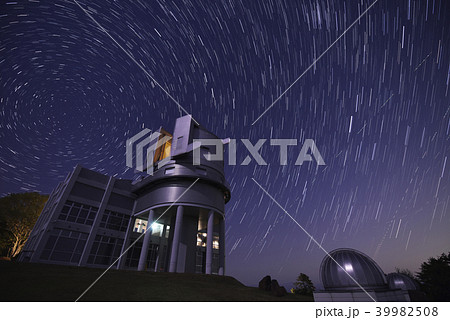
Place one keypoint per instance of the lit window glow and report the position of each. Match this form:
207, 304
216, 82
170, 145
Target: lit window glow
201, 240
157, 229
140, 225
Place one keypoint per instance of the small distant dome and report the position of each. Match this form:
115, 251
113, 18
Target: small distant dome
356, 264
401, 281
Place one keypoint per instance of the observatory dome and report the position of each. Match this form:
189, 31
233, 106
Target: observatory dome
356, 264
401, 281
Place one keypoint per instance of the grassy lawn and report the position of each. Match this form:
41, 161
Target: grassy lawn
42, 282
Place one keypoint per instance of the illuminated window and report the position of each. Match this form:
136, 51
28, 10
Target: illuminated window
140, 225
157, 229
215, 244
164, 150
201, 240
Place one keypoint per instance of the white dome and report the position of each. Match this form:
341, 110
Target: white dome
335, 276
401, 281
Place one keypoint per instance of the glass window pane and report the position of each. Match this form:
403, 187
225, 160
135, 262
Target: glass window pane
83, 213
65, 233
167, 231
61, 256
157, 229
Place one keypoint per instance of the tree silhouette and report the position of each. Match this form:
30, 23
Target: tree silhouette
303, 285
18, 214
434, 276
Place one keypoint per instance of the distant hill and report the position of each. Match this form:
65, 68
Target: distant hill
42, 282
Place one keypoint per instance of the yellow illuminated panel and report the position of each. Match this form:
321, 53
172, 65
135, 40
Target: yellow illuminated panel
164, 150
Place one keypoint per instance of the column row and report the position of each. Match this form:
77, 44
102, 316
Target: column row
177, 231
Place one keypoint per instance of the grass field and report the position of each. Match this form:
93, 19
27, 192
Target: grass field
42, 282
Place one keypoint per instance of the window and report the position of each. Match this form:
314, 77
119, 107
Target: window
140, 226
201, 240
105, 250
167, 231
78, 213
157, 229
200, 261
64, 245
152, 256
114, 221
134, 253
162, 254
164, 150
215, 264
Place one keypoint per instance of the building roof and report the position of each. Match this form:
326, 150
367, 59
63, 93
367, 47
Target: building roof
335, 271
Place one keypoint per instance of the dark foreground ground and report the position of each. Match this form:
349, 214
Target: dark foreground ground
41, 282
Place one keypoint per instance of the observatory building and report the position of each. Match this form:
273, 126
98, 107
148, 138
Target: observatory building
174, 217
338, 269
402, 281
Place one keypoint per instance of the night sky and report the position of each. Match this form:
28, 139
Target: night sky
377, 105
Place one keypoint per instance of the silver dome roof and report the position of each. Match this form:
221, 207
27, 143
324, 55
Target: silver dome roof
401, 281
362, 268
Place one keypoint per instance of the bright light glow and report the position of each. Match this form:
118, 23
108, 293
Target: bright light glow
348, 267
157, 229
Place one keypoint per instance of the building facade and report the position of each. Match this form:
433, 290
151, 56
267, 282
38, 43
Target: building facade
92, 219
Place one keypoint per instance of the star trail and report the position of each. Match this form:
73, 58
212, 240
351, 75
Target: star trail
374, 96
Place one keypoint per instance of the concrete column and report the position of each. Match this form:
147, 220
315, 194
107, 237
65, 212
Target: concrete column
176, 239
222, 246
147, 237
209, 242
123, 252
96, 223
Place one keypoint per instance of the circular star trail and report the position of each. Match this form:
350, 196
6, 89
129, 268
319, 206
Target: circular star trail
377, 105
